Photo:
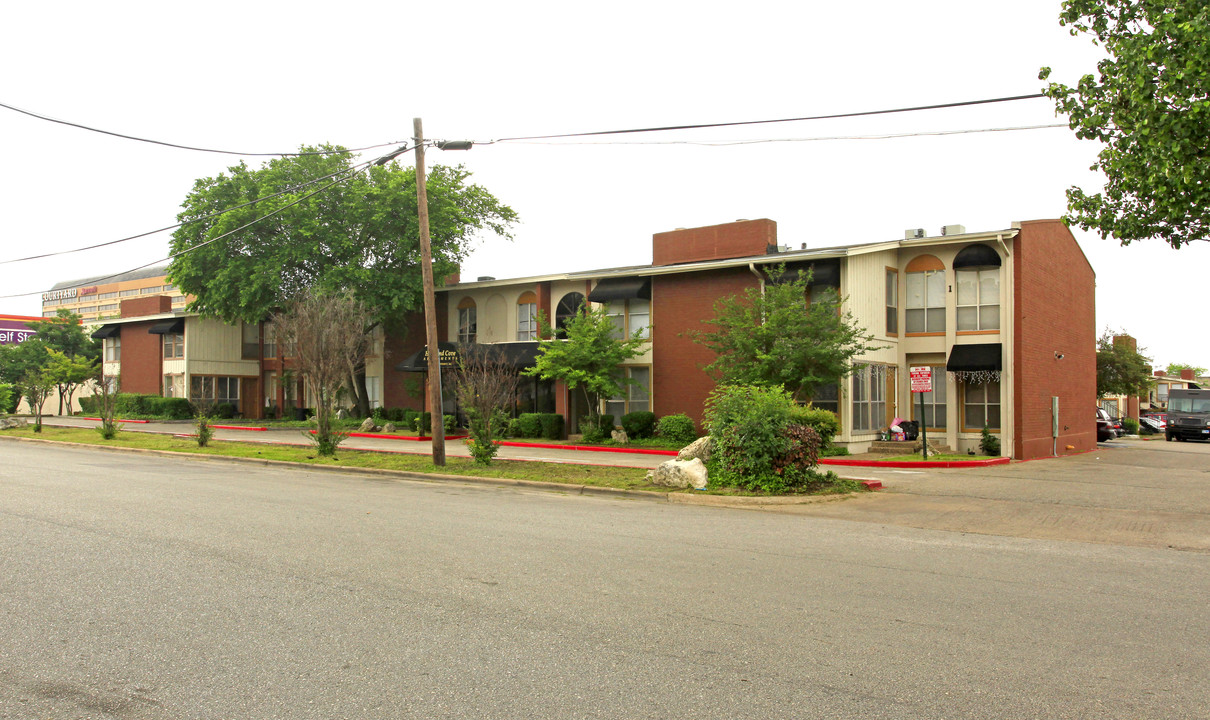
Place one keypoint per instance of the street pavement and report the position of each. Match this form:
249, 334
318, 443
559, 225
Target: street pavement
148, 587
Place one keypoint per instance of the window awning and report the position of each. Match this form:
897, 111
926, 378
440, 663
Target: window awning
517, 355
625, 288
168, 327
976, 256
106, 331
982, 356
823, 272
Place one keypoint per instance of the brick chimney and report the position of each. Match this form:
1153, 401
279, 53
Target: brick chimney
1187, 374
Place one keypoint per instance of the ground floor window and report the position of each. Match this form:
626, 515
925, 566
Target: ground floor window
634, 398
827, 397
934, 402
212, 390
534, 395
869, 397
981, 406
174, 385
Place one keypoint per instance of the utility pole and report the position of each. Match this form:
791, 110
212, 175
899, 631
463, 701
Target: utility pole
430, 302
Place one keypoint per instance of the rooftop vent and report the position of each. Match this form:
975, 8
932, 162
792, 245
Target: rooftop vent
484, 278
913, 233
953, 229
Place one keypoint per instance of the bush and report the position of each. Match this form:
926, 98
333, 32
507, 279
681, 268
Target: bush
396, 414
224, 411
639, 424
450, 422
758, 445
513, 429
6, 398
409, 418
173, 408
381, 415
204, 430
89, 405
127, 404
677, 428
529, 425
822, 421
482, 442
1130, 425
989, 444
552, 426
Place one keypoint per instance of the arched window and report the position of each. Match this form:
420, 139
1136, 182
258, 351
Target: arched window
925, 308
571, 304
467, 321
527, 316
977, 275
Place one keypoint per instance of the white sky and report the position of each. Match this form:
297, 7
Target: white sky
268, 77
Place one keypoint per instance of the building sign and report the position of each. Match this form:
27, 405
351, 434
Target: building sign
61, 294
922, 379
90, 290
13, 330
445, 357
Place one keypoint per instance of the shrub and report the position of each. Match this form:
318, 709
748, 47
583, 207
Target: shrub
552, 426
1131, 426
131, 404
529, 425
597, 432
409, 419
6, 397
989, 444
396, 414
422, 423
822, 421
89, 405
677, 428
173, 408
639, 424
513, 429
482, 442
758, 443
224, 411
204, 430
450, 422
381, 415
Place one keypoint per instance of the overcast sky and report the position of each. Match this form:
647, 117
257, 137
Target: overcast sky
268, 77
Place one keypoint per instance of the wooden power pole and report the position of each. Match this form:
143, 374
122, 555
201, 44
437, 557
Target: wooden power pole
430, 302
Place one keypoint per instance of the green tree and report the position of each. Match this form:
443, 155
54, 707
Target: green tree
358, 238
66, 334
1150, 106
68, 374
36, 382
588, 358
17, 362
1121, 369
771, 336
1174, 369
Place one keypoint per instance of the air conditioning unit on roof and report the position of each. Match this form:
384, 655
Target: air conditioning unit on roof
913, 233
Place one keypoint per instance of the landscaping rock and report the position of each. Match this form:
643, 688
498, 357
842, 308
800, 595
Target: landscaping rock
12, 422
368, 426
699, 449
680, 474
620, 437
389, 428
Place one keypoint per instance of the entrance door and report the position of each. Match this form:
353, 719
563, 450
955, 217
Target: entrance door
892, 396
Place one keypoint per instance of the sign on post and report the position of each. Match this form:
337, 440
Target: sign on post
922, 382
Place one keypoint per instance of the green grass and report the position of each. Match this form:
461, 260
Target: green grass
933, 457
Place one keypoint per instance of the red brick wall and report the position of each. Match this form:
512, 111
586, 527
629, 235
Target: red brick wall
142, 357
679, 304
1055, 311
150, 305
716, 242
399, 346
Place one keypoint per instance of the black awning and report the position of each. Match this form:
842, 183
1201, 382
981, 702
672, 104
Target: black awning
626, 288
983, 356
976, 256
168, 327
106, 331
517, 355
823, 272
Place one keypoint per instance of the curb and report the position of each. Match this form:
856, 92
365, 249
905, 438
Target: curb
733, 501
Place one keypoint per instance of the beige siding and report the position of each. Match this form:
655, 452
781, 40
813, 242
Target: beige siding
214, 348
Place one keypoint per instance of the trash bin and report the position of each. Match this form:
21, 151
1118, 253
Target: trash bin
911, 429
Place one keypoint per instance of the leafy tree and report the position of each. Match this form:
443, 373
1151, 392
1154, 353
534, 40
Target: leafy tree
65, 334
1174, 369
68, 375
36, 383
588, 358
1121, 369
20, 361
485, 385
773, 337
1150, 106
359, 238
327, 331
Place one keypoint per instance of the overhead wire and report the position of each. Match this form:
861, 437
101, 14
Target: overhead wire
190, 147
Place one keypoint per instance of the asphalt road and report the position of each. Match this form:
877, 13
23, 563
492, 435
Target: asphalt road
149, 587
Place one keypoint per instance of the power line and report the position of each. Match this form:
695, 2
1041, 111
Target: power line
964, 103
177, 225
189, 147
351, 173
725, 143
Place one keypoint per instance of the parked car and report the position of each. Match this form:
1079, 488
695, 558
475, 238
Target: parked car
1106, 429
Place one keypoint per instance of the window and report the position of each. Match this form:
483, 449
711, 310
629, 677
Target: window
527, 316
250, 341
111, 306
113, 348
149, 290
174, 345
128, 293
981, 406
567, 308
174, 385
934, 402
827, 397
169, 288
925, 307
977, 275
639, 315
467, 322
617, 315
269, 349
206, 389
869, 397
634, 398
374, 391
892, 301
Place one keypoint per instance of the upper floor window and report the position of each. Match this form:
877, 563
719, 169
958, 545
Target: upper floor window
977, 275
113, 349
467, 321
571, 304
925, 308
174, 345
527, 316
892, 301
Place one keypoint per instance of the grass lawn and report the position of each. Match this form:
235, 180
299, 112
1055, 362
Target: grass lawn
934, 457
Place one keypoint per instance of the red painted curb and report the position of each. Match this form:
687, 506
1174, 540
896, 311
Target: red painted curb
398, 437
872, 484
238, 427
593, 448
118, 420
916, 464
